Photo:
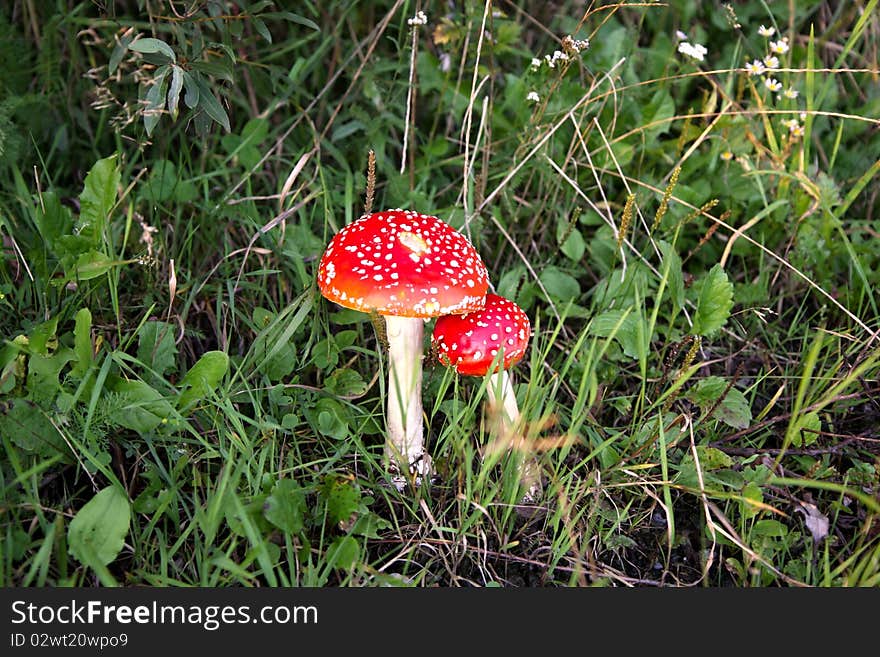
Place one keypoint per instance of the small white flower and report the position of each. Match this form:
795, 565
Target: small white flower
756, 67
779, 47
681, 36
766, 31
791, 92
727, 156
791, 124
797, 131
419, 19
772, 84
550, 61
536, 63
533, 97
559, 55
771, 62
803, 116
580, 45
696, 50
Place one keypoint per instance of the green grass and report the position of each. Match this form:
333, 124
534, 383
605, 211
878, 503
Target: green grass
701, 390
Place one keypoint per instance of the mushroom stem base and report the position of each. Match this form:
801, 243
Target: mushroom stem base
405, 446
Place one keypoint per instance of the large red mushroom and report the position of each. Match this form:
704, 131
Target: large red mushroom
407, 267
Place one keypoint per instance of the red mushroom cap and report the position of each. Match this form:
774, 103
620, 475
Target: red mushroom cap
470, 342
400, 262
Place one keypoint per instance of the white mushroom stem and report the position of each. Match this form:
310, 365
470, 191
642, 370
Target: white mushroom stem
500, 384
405, 444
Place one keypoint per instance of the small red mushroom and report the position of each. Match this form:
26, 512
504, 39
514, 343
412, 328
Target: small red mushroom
492, 339
407, 267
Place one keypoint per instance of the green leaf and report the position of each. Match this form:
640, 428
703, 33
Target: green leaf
43, 335
806, 429
44, 373
293, 18
53, 220
325, 353
715, 302
342, 498
165, 184
571, 241
211, 105
345, 382
712, 458
119, 51
672, 261
97, 532
143, 408
97, 199
174, 90
203, 377
26, 426
560, 285
733, 410
156, 347
155, 100
769, 527
623, 327
191, 98
82, 342
262, 30
150, 46
91, 264
343, 553
286, 506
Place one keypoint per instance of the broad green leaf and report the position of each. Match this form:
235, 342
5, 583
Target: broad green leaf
203, 377
623, 326
325, 353
97, 199
342, 498
733, 410
92, 264
368, 524
156, 347
343, 553
715, 302
44, 374
770, 528
27, 427
712, 458
560, 285
97, 532
43, 337
751, 491
345, 382
143, 407
82, 342
53, 220
286, 506
675, 282
150, 46
165, 184
806, 429
571, 241
191, 98
211, 105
